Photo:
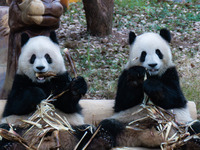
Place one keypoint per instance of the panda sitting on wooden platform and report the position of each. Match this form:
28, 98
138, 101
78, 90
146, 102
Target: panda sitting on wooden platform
40, 55
150, 55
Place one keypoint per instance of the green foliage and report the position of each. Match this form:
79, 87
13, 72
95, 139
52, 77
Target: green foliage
167, 15
131, 4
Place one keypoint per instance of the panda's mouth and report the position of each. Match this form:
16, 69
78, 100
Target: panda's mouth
41, 77
153, 71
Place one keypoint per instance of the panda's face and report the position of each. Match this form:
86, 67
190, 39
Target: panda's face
151, 51
41, 63
40, 55
152, 61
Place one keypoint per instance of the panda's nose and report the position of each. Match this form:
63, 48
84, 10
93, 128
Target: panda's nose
152, 65
40, 68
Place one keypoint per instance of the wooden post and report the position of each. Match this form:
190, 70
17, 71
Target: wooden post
99, 16
34, 17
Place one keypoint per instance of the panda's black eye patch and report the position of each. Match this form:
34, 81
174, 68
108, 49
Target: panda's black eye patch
158, 52
48, 58
143, 55
33, 57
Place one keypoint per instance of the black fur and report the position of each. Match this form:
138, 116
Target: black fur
158, 52
48, 58
112, 126
165, 34
32, 60
163, 91
130, 88
132, 37
143, 56
25, 94
105, 139
24, 39
53, 37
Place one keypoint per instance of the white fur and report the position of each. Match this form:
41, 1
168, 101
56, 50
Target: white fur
40, 46
182, 115
149, 42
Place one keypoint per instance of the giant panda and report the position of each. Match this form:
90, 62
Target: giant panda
150, 54
149, 57
42, 54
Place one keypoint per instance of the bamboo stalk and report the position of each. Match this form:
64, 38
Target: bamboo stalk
71, 62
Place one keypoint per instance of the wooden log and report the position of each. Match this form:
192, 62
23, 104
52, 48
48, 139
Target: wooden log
99, 16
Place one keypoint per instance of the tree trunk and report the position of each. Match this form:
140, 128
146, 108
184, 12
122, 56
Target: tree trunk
99, 16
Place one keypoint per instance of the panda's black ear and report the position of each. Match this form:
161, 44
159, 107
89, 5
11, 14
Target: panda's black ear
165, 34
24, 38
53, 37
132, 37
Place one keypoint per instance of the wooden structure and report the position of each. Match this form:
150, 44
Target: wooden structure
35, 17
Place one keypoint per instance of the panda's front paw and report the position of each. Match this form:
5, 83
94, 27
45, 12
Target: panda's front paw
78, 86
153, 89
136, 75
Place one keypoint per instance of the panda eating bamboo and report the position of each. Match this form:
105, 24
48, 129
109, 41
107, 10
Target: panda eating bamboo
149, 56
40, 73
